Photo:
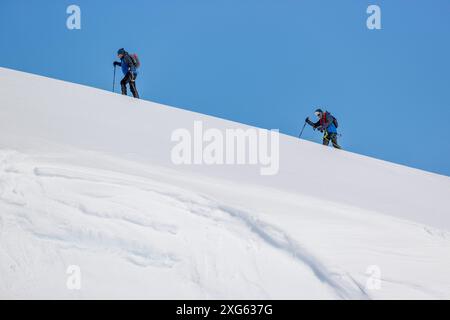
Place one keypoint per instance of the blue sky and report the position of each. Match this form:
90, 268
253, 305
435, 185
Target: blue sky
267, 63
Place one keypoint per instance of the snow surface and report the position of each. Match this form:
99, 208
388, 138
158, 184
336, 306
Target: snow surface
86, 179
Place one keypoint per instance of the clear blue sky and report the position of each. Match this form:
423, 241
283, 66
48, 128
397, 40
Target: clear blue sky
267, 63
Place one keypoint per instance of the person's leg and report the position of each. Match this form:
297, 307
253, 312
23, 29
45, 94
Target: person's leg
133, 86
334, 141
123, 83
326, 140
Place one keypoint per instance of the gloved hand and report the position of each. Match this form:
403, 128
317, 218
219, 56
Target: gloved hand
115, 63
307, 119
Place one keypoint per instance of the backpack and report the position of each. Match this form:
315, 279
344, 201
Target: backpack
134, 57
335, 122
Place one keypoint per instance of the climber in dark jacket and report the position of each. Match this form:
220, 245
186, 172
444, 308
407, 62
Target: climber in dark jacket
129, 70
325, 124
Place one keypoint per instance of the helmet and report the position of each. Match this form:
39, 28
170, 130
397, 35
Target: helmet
318, 112
121, 51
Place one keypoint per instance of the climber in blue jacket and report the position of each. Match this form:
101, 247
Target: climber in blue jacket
129, 70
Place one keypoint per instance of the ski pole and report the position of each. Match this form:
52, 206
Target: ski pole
301, 132
114, 80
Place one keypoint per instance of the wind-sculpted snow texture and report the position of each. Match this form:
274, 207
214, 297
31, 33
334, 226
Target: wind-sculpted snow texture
76, 189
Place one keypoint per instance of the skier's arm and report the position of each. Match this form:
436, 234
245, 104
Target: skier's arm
312, 124
116, 63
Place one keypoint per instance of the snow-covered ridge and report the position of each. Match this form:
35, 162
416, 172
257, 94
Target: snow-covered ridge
86, 180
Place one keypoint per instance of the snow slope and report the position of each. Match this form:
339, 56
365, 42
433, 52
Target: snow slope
86, 179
